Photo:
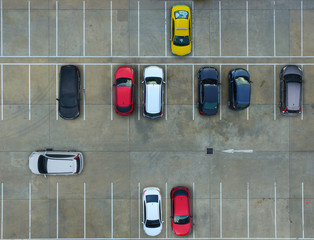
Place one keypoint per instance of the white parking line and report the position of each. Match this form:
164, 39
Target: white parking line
1, 28
166, 93
57, 23
301, 28
166, 28
111, 210
84, 40
220, 209
274, 20
247, 28
193, 92
1, 91
275, 210
29, 92
302, 210
166, 197
57, 210
139, 210
248, 208
1, 210
275, 97
110, 28
84, 210
248, 109
220, 113
111, 110
138, 92
57, 93
219, 28
29, 28
193, 207
138, 28
30, 211
84, 93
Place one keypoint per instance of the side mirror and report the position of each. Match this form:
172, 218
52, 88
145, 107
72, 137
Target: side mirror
142, 81
57, 99
162, 221
45, 175
113, 85
163, 82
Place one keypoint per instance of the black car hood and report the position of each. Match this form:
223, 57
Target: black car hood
239, 72
292, 69
208, 73
69, 113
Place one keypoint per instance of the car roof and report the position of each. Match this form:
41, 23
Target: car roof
152, 211
181, 27
181, 204
293, 96
153, 98
61, 166
210, 92
68, 81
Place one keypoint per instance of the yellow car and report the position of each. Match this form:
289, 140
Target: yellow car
181, 32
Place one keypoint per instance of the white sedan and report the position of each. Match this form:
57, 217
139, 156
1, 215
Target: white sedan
152, 216
51, 162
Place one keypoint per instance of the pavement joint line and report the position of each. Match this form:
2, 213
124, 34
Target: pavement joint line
57, 212
84, 210
29, 28
139, 210
57, 93
138, 28
303, 210
302, 110
110, 28
84, 36
1, 91
57, 23
248, 208
1, 28
166, 93
165, 28
275, 97
1, 209
247, 28
275, 210
166, 209
30, 211
138, 91
29, 92
193, 92
220, 113
84, 94
111, 110
301, 27
219, 28
112, 210
274, 21
220, 209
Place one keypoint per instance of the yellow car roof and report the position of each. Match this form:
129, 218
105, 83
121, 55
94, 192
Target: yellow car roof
182, 27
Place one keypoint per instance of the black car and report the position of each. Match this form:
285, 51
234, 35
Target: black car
69, 92
208, 99
239, 89
290, 90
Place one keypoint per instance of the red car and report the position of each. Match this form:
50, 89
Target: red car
124, 91
181, 211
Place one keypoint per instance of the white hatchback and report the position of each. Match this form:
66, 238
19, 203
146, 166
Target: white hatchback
51, 162
152, 211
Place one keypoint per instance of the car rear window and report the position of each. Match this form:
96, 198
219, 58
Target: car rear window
78, 164
181, 192
153, 80
181, 14
152, 223
181, 40
124, 82
152, 198
42, 164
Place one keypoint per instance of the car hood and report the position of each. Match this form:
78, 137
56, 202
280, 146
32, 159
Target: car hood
208, 74
153, 231
153, 98
241, 73
33, 163
292, 69
182, 229
153, 71
69, 113
124, 72
181, 50
123, 96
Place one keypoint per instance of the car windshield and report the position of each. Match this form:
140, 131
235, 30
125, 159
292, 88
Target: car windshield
152, 223
242, 81
181, 219
123, 82
181, 40
153, 80
181, 14
292, 78
152, 198
210, 105
42, 164
68, 101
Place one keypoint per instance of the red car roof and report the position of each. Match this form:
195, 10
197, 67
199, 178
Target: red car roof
181, 206
123, 96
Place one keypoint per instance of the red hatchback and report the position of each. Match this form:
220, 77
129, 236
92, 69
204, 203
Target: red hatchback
124, 89
180, 211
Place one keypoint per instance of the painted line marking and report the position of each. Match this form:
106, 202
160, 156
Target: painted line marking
275, 97
139, 209
111, 110
1, 91
138, 92
220, 113
1, 29
84, 94
302, 210
248, 109
247, 28
84, 210
1, 210
30, 211
29, 92
302, 109
166, 28
274, 28
220, 209
138, 28
57, 209
193, 207
84, 40
219, 28
275, 210
193, 45
112, 210
57, 23
166, 90
29, 28
248, 208
301, 28
110, 28
193, 92
57, 93
166, 209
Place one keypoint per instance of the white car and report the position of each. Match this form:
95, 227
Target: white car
153, 92
51, 162
152, 216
